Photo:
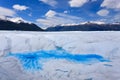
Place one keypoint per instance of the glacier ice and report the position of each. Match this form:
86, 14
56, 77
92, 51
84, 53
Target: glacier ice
16, 46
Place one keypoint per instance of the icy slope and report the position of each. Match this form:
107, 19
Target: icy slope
59, 55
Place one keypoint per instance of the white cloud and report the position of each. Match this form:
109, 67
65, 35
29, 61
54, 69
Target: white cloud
30, 14
77, 3
112, 18
116, 18
6, 12
93, 0
111, 4
50, 13
65, 12
20, 7
103, 12
2, 17
50, 2
56, 19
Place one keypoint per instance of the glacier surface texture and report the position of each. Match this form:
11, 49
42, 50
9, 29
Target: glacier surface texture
59, 55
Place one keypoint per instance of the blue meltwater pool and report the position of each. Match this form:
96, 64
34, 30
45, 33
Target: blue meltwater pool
32, 60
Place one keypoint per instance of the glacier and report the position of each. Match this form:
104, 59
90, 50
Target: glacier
59, 55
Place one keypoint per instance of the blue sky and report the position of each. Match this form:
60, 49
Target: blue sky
54, 12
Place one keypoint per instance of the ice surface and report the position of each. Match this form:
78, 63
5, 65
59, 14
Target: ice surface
59, 55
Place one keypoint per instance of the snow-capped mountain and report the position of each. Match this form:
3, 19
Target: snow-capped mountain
18, 20
18, 24
15, 19
82, 23
87, 26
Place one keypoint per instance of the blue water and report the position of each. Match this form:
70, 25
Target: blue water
32, 60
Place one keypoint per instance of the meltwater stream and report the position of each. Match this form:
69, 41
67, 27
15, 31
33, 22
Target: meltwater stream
32, 60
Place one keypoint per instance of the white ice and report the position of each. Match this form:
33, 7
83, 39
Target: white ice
106, 44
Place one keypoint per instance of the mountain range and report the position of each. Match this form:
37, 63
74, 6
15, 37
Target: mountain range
87, 26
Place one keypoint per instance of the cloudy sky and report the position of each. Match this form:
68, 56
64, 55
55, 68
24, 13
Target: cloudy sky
55, 12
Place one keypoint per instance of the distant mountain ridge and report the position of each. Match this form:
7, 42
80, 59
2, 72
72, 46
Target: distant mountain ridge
86, 27
20, 26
